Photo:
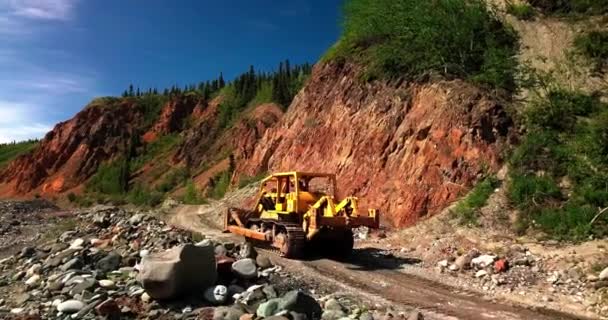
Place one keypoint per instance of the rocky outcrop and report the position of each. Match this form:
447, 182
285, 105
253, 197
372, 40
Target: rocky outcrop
73, 150
205, 141
408, 149
172, 117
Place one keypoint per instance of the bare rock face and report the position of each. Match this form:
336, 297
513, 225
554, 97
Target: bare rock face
407, 149
72, 151
178, 271
171, 118
206, 140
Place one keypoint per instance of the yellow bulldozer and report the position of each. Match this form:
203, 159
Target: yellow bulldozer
299, 210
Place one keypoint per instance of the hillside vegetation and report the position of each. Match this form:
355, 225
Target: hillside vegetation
114, 180
10, 151
411, 39
559, 170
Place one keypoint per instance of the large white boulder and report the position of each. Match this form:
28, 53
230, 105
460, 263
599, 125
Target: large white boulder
178, 271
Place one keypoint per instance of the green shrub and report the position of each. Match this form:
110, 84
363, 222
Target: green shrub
468, 209
594, 45
525, 190
561, 109
10, 151
173, 179
72, 197
571, 223
218, 185
111, 178
193, 195
410, 38
523, 11
566, 141
142, 196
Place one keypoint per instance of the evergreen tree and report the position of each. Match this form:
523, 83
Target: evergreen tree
131, 93
221, 81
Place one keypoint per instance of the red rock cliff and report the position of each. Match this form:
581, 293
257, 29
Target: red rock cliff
409, 150
72, 151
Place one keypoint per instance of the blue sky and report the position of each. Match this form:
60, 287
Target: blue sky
56, 55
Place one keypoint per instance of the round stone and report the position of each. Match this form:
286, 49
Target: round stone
107, 284
70, 306
217, 294
245, 268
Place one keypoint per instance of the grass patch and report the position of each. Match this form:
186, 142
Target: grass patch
522, 10
396, 39
594, 46
467, 210
142, 196
566, 141
10, 151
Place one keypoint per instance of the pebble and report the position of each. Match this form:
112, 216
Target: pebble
70, 306
481, 273
33, 280
77, 244
604, 274
107, 284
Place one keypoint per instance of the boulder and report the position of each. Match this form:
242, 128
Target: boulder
300, 302
270, 291
137, 218
263, 262
268, 308
483, 261
217, 294
74, 263
107, 284
332, 314
109, 309
220, 250
464, 261
333, 304
245, 269
70, 306
109, 263
501, 265
228, 313
177, 271
604, 274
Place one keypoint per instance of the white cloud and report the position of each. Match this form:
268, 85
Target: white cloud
43, 9
18, 121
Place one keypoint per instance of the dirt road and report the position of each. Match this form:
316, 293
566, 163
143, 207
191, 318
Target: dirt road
379, 278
